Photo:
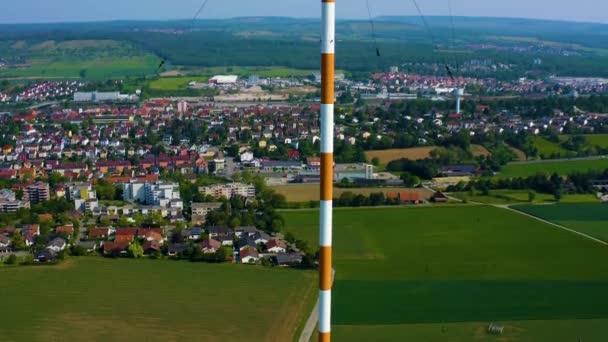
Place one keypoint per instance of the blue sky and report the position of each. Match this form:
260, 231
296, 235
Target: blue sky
26, 11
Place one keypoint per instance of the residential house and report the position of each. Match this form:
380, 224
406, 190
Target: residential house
194, 233
176, 248
246, 242
226, 240
210, 246
99, 233
152, 235
115, 247
151, 247
439, 197
45, 255
276, 246
67, 229
249, 255
410, 197
261, 237
5, 241
56, 245
89, 246
29, 233
248, 231
220, 231
288, 259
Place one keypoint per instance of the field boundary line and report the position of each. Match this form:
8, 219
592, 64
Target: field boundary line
553, 224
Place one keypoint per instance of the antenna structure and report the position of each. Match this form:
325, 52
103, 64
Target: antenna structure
196, 14
371, 23
328, 65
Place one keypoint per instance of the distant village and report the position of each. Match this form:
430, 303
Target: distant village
58, 152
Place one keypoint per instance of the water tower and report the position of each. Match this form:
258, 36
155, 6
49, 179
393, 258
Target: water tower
459, 93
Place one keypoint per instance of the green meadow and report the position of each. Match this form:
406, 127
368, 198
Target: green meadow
97, 299
562, 167
590, 219
408, 272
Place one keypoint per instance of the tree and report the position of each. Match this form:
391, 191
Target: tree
18, 242
409, 180
136, 250
531, 196
289, 237
223, 254
558, 195
375, 161
11, 260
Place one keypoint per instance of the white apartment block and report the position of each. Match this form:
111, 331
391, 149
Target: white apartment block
228, 190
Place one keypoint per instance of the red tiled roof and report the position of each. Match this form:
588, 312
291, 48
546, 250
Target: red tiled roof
126, 231
69, 229
98, 232
276, 243
110, 246
249, 251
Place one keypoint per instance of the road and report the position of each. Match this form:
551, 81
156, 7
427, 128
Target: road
564, 160
311, 322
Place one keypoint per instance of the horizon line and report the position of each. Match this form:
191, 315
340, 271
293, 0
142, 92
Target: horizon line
363, 18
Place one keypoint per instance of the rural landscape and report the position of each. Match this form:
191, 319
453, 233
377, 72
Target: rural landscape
214, 179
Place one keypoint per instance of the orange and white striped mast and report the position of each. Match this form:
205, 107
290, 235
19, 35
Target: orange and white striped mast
328, 62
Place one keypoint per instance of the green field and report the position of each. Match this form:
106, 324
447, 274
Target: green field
591, 140
152, 300
405, 273
87, 59
521, 196
597, 140
95, 69
175, 83
590, 219
260, 71
562, 167
546, 148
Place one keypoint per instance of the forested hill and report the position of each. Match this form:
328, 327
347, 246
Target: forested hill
567, 48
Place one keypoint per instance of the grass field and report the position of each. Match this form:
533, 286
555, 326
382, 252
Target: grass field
591, 219
310, 192
414, 153
152, 300
260, 71
562, 167
88, 59
422, 273
175, 83
519, 153
521, 196
591, 139
547, 148
597, 140
94, 69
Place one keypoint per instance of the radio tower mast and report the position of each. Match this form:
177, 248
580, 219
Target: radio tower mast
328, 62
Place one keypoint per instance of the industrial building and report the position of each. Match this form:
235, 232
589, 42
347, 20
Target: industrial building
224, 79
97, 96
